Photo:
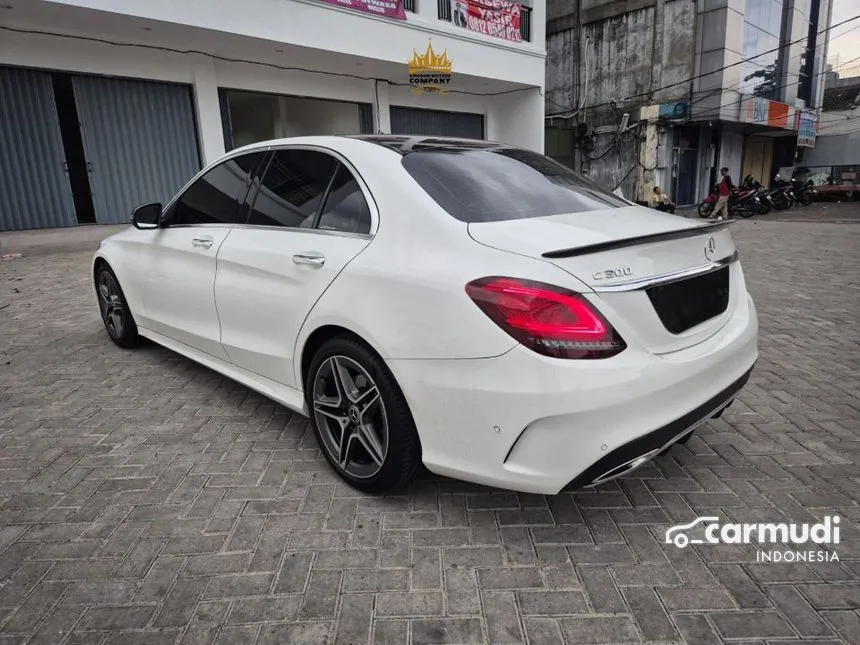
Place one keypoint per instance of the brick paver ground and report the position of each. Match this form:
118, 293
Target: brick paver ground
144, 499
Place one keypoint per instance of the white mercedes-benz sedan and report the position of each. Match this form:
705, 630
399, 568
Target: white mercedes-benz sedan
470, 305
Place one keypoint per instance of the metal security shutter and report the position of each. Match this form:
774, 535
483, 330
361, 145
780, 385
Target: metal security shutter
436, 123
140, 139
34, 187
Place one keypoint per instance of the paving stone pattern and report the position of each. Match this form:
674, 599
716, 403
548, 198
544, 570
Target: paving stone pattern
144, 499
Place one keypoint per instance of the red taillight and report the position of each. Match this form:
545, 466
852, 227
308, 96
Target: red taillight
546, 319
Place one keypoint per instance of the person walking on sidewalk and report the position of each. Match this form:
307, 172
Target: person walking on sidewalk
724, 190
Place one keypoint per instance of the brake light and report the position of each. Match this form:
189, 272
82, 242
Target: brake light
548, 320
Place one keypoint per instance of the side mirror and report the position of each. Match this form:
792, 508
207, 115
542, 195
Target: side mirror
147, 216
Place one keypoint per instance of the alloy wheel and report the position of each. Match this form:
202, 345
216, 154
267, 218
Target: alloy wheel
350, 416
110, 304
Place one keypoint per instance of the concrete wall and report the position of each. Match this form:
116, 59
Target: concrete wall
834, 150
628, 50
310, 76
324, 27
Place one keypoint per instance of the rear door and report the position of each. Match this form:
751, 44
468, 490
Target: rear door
309, 218
177, 261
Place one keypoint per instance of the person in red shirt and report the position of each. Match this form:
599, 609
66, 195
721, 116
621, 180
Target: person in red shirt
724, 189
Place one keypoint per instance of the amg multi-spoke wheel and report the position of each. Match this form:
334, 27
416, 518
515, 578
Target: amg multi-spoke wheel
360, 416
115, 314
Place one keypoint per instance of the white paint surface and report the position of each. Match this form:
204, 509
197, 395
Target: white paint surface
328, 53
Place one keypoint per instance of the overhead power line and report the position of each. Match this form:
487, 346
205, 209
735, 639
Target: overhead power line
703, 75
741, 100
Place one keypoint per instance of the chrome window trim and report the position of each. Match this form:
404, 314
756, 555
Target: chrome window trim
266, 148
293, 229
668, 278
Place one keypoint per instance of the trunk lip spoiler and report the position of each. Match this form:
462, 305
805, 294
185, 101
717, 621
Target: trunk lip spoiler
589, 249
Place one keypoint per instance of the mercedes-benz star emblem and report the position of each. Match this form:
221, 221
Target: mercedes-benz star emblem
710, 248
353, 414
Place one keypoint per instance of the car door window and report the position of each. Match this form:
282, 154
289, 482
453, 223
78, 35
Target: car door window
292, 189
217, 196
345, 207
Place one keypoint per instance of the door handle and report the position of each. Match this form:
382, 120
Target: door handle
202, 242
312, 259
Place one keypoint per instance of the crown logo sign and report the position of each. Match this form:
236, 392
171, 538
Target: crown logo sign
430, 61
430, 72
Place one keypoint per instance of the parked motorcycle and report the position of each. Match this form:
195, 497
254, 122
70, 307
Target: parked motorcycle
782, 194
765, 205
743, 202
803, 191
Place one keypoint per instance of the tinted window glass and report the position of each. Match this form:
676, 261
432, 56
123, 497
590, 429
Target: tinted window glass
215, 198
498, 184
345, 207
292, 188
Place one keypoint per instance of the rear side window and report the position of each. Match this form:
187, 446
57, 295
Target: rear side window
292, 189
345, 207
496, 184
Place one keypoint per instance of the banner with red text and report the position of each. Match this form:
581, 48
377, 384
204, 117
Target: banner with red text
499, 18
385, 8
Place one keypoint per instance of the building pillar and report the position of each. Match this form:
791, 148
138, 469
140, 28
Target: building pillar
648, 154
382, 108
208, 110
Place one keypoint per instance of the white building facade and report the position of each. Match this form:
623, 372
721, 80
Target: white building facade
105, 104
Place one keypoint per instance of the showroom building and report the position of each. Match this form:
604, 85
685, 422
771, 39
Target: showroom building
105, 105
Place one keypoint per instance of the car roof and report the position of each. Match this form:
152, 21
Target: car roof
401, 144
407, 144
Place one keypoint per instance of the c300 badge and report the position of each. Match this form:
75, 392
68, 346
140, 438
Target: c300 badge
609, 274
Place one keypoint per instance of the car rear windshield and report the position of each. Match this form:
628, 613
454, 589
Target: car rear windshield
496, 184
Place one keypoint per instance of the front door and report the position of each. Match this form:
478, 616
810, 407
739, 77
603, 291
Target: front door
685, 189
177, 264
310, 217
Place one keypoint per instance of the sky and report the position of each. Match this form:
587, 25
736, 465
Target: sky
845, 40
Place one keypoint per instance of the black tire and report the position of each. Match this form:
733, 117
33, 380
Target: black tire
113, 307
746, 212
402, 449
705, 209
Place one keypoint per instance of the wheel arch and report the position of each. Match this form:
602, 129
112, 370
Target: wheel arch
317, 338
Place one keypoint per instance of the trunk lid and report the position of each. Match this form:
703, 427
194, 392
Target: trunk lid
619, 252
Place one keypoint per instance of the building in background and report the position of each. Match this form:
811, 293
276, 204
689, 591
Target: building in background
665, 92
833, 164
106, 105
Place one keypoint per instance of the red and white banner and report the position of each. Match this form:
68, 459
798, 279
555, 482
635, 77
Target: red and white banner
499, 18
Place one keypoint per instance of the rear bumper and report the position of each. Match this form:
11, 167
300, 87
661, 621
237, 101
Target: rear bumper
525, 422
633, 454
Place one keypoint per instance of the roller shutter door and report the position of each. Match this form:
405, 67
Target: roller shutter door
436, 123
140, 140
34, 187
